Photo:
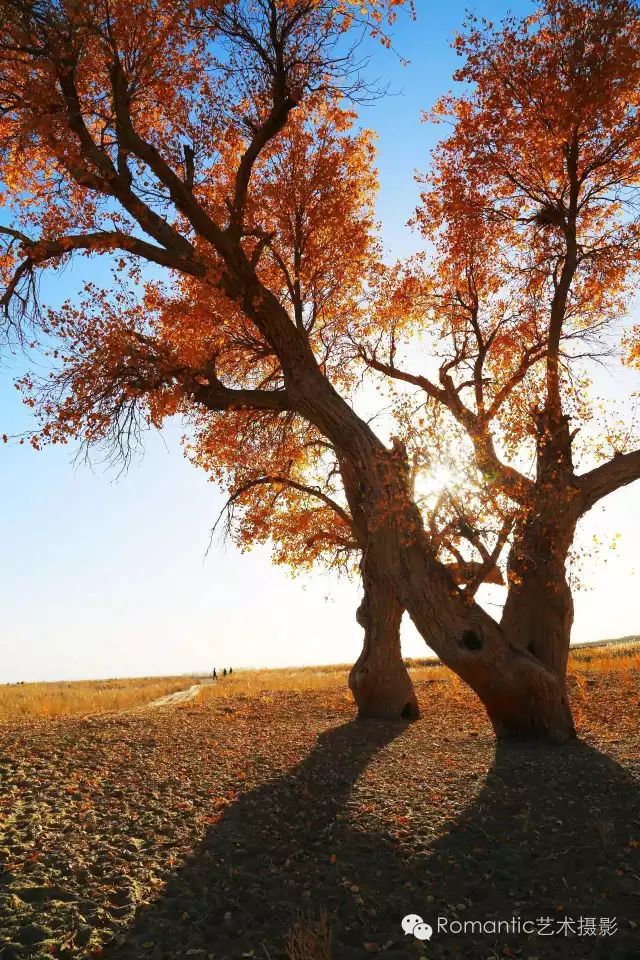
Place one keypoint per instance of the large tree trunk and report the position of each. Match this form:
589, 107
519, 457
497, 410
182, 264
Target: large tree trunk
529, 703
522, 695
379, 680
538, 613
521, 684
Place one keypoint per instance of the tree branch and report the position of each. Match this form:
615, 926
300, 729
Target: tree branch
180, 194
416, 380
603, 480
514, 483
275, 122
295, 485
488, 571
215, 396
43, 249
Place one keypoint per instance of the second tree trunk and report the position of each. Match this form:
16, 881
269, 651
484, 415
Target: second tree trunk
379, 680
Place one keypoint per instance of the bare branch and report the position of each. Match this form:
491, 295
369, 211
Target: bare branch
618, 472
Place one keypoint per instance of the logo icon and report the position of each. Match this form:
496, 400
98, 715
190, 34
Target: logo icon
414, 924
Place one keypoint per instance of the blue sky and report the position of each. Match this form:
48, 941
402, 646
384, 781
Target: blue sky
108, 577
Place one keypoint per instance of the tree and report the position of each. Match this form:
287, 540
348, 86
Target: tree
531, 209
285, 490
97, 109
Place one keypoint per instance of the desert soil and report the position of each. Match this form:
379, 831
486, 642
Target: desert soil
208, 829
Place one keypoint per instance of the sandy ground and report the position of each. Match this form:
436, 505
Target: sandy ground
182, 696
211, 829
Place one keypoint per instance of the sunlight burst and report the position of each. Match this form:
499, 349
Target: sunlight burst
429, 483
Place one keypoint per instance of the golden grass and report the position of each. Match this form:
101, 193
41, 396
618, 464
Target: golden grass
621, 658
83, 696
607, 664
294, 679
301, 679
99, 696
310, 940
613, 658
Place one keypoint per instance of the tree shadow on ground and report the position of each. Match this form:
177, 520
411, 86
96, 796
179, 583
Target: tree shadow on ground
547, 836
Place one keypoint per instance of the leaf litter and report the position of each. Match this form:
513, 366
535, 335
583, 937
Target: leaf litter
208, 830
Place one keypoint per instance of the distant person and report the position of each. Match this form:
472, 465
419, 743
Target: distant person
230, 670
224, 672
214, 675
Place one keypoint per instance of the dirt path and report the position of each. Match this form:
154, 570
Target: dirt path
180, 697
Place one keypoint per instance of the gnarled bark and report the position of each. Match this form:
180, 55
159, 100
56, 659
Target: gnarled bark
538, 613
523, 693
379, 680
532, 704
524, 698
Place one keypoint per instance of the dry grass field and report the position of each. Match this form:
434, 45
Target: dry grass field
87, 697
615, 658
19, 700
259, 820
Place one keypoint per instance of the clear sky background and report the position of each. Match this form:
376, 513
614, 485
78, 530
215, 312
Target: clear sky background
108, 577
